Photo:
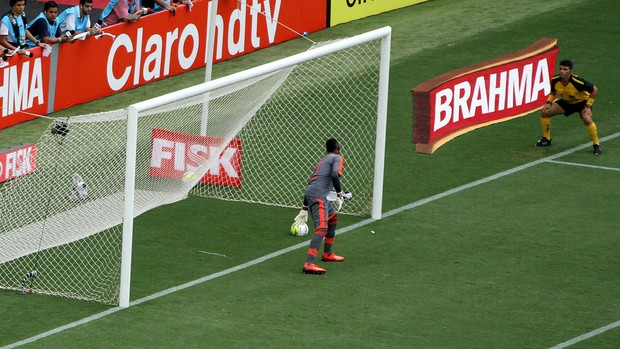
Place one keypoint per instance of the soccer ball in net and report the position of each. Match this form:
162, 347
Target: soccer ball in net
299, 229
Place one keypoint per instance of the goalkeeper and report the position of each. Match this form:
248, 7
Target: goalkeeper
325, 216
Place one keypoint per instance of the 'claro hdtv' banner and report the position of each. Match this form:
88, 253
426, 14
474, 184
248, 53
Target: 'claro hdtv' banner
483, 94
157, 46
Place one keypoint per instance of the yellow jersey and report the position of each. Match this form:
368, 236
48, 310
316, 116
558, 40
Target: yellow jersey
575, 91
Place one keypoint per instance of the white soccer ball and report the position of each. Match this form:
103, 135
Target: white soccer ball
299, 229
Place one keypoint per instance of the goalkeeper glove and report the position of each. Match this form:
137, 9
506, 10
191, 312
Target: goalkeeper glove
341, 197
302, 217
339, 201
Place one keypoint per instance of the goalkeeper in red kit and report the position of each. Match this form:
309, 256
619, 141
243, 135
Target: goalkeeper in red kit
324, 211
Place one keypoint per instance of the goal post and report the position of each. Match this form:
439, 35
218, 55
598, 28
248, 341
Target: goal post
265, 131
134, 111
382, 96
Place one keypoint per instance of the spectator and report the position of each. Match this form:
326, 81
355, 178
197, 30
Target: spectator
118, 11
159, 5
76, 19
13, 32
45, 27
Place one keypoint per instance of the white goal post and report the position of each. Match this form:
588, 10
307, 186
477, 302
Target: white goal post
67, 228
383, 34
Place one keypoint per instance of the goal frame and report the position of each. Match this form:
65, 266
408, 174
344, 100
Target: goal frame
383, 34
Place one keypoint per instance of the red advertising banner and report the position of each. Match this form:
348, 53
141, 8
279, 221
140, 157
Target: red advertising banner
24, 86
157, 46
18, 161
483, 94
264, 23
175, 155
161, 45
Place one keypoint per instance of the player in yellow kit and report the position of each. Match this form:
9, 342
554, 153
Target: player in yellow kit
569, 94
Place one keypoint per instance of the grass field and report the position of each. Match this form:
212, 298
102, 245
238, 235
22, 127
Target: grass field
488, 243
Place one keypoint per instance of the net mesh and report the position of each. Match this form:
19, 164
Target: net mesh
331, 96
73, 245
263, 137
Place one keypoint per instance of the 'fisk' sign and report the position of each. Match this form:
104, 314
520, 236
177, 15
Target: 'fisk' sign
483, 94
174, 153
17, 162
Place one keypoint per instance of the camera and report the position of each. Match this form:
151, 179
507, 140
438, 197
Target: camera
60, 129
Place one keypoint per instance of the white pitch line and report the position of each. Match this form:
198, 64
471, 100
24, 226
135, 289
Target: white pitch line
587, 335
213, 253
305, 244
584, 165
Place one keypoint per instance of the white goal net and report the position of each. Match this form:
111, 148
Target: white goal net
254, 136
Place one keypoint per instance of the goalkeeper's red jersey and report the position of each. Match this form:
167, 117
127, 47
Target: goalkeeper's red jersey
326, 176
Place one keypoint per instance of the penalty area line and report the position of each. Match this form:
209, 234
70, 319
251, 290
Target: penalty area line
305, 244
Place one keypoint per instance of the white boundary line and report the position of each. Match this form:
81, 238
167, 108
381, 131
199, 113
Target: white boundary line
340, 231
584, 165
587, 335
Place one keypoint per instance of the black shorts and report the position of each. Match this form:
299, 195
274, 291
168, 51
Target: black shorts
571, 108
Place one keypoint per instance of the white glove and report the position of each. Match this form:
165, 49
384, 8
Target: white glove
339, 201
333, 196
302, 217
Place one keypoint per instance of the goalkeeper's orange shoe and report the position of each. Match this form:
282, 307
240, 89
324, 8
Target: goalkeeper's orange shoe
313, 269
332, 258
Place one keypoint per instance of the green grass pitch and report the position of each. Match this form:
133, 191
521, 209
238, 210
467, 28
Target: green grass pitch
526, 259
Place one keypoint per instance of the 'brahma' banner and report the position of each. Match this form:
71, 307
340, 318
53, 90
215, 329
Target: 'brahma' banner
486, 93
24, 86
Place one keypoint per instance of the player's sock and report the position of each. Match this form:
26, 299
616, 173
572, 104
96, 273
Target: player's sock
592, 132
545, 124
328, 245
331, 233
315, 243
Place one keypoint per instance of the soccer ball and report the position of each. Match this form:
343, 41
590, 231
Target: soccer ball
299, 229
188, 176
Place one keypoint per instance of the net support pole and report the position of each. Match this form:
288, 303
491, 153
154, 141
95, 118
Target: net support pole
210, 40
384, 75
130, 184
209, 63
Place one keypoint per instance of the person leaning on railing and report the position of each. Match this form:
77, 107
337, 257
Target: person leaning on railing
118, 11
45, 27
76, 20
13, 32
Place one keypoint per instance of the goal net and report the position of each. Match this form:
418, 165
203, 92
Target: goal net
254, 136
